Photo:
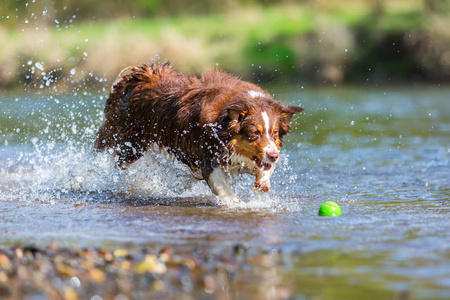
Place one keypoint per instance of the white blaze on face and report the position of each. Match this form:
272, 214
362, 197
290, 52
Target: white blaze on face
271, 147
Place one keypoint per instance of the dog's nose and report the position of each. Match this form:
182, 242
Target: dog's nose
273, 156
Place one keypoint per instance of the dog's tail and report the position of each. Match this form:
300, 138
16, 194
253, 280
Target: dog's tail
130, 95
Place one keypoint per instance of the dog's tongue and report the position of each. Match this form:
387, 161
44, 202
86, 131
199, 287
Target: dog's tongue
267, 166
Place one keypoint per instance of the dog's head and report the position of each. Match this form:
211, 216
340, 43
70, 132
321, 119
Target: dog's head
258, 124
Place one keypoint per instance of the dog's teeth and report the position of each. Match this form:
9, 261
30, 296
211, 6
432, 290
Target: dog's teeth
267, 166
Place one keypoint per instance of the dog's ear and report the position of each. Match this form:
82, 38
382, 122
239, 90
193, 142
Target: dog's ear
288, 111
237, 113
286, 114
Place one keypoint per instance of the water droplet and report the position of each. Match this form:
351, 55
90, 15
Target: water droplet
39, 66
73, 71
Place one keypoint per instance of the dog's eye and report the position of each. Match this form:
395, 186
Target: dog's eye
275, 133
254, 135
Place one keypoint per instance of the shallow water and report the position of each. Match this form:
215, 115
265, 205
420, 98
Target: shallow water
381, 154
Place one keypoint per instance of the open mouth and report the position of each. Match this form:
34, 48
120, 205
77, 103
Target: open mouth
261, 164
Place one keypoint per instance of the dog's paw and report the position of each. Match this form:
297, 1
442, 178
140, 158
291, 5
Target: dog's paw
261, 186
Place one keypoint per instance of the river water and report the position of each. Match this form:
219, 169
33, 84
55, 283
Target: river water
381, 153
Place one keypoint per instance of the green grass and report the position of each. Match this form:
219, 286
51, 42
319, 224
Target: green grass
402, 21
277, 37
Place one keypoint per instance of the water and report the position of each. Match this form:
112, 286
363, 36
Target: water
382, 154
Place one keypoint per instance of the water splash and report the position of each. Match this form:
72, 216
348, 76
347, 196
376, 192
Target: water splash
51, 171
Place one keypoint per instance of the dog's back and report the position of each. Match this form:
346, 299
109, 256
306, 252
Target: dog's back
132, 94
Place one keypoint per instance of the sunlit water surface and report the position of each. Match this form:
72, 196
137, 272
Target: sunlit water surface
381, 154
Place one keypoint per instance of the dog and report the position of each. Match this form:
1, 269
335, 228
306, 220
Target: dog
217, 124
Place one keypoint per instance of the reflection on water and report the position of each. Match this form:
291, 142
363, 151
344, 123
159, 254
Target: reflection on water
383, 155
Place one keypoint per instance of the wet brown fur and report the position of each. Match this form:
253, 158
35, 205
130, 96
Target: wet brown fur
201, 121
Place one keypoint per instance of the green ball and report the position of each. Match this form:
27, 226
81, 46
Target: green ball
329, 209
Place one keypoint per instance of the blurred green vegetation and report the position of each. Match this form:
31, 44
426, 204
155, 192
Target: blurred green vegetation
60, 43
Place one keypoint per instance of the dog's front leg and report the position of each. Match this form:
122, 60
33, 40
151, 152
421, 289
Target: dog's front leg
262, 180
217, 182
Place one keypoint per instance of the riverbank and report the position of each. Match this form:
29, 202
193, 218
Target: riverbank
320, 43
141, 273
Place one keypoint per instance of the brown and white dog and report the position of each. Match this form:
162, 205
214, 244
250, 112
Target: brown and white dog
216, 124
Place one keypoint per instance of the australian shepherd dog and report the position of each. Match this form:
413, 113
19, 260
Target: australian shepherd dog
217, 124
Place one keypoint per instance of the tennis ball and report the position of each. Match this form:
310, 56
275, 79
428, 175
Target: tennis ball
329, 209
